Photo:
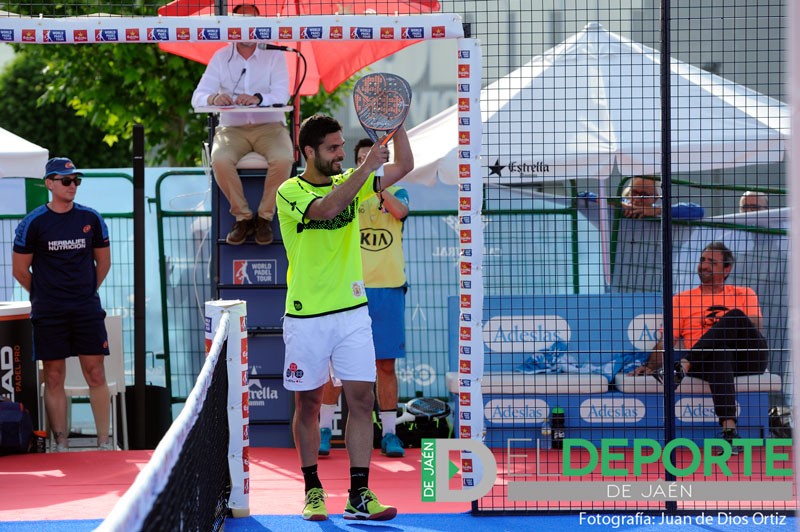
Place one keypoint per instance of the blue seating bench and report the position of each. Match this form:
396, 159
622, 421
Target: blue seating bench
590, 329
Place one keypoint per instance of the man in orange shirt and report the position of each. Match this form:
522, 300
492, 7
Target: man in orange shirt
719, 327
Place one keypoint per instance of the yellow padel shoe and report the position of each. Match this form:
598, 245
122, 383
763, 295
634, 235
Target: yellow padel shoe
368, 508
314, 509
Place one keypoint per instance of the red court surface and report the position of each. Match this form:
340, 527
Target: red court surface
522, 465
86, 485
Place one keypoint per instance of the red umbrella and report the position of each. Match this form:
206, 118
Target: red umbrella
328, 63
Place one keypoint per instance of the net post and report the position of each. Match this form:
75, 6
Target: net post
237, 401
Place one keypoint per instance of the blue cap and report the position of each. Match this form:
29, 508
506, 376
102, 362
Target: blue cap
60, 166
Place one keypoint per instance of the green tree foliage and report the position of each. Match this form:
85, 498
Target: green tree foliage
327, 103
114, 86
52, 125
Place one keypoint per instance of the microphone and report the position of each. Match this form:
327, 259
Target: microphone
233, 91
267, 46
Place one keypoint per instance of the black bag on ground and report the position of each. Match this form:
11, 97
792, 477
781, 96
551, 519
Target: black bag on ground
16, 428
430, 421
780, 422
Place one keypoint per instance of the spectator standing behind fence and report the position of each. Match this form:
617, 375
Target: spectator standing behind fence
61, 256
752, 201
381, 220
719, 326
244, 75
327, 326
642, 199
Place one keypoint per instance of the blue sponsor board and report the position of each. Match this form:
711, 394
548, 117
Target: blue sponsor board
54, 35
616, 415
107, 35
253, 265
311, 32
6, 35
265, 354
157, 34
269, 400
268, 313
208, 34
260, 32
268, 435
361, 33
589, 328
412, 33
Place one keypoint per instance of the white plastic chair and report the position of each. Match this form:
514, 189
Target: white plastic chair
75, 384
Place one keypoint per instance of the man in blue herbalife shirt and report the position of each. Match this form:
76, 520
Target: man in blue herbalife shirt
61, 256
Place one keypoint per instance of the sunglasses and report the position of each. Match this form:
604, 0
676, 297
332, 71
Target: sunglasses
66, 181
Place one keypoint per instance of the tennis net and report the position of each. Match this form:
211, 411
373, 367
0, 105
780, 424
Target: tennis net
186, 485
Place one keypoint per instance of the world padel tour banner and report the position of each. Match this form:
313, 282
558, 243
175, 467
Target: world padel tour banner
99, 29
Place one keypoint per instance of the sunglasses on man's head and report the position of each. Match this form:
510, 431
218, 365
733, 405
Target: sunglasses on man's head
67, 181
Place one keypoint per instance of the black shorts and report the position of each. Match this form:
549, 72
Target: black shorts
56, 338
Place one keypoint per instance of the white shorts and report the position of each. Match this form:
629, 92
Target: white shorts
338, 344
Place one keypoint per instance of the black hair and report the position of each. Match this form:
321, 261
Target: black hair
727, 255
314, 129
239, 7
362, 143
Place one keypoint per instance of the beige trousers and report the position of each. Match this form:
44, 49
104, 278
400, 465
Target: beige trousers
231, 144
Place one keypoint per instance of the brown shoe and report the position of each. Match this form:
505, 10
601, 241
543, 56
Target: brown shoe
263, 231
239, 232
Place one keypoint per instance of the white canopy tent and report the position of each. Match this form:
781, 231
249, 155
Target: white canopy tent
19, 157
593, 102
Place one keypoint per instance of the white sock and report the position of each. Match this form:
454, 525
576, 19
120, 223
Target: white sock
389, 421
326, 413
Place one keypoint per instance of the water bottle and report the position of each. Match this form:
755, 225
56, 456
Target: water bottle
547, 435
557, 416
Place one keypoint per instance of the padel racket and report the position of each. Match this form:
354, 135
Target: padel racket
428, 407
381, 102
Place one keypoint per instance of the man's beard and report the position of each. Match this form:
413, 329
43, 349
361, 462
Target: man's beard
326, 168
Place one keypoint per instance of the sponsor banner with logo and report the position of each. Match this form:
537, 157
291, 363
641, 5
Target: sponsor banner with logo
255, 271
268, 399
106, 29
470, 236
585, 415
554, 329
611, 414
698, 409
238, 394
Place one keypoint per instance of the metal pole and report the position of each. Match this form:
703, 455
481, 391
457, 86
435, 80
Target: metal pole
139, 334
666, 234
